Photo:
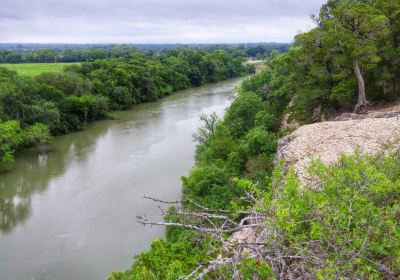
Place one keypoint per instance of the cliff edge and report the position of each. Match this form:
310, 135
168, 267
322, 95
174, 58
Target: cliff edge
328, 140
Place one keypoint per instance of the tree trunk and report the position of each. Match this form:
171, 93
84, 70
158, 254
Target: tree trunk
362, 103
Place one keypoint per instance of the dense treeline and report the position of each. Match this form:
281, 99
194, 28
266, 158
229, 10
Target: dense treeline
351, 58
348, 227
257, 51
51, 55
56, 103
26, 53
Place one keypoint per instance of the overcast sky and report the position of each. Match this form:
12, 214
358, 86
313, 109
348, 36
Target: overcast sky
154, 21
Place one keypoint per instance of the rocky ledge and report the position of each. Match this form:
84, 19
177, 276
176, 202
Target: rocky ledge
328, 140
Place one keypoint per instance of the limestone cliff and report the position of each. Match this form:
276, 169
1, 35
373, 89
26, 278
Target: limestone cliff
328, 140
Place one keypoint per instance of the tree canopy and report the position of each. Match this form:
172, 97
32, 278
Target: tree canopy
33, 107
352, 58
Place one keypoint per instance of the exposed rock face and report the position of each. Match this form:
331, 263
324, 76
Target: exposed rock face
329, 140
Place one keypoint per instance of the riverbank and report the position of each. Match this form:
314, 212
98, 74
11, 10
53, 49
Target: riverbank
63, 102
75, 205
231, 155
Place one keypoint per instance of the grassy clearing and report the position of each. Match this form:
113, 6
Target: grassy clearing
34, 69
259, 64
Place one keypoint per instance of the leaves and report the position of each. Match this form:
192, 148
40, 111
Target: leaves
350, 217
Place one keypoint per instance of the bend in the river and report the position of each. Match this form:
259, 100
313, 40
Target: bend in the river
71, 214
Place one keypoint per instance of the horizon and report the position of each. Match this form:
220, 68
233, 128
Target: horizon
154, 21
161, 43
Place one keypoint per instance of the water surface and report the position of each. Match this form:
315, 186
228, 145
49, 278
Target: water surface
71, 214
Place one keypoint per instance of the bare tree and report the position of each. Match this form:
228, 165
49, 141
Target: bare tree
246, 240
255, 234
207, 131
362, 102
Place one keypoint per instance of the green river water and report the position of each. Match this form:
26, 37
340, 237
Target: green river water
71, 214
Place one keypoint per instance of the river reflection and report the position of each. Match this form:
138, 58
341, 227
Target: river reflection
33, 170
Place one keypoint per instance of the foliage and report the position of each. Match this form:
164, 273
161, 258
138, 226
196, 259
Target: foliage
53, 53
347, 226
38, 134
319, 73
207, 184
68, 100
13, 138
242, 144
167, 260
241, 115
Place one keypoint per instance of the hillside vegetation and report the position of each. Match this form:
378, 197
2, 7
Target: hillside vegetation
347, 225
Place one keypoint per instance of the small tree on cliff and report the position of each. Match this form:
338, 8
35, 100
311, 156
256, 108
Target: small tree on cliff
355, 30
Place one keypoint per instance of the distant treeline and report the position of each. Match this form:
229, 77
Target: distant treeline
33, 109
31, 53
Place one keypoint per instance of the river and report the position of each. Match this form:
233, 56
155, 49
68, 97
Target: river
71, 214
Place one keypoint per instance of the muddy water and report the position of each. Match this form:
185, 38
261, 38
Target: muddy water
71, 214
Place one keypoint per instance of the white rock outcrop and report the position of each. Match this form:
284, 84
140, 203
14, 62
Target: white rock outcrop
328, 140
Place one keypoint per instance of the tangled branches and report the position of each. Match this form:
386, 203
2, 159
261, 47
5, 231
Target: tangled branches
242, 236
345, 229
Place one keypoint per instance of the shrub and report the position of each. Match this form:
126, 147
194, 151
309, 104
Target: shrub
241, 115
38, 134
346, 227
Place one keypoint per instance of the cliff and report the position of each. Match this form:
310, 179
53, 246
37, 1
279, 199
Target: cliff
328, 140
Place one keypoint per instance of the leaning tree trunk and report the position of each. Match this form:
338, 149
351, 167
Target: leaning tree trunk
362, 102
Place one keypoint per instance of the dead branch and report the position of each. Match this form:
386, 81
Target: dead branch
194, 203
218, 223
144, 221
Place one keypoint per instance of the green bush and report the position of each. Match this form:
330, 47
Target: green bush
209, 185
167, 260
241, 115
259, 141
348, 224
37, 135
11, 138
267, 121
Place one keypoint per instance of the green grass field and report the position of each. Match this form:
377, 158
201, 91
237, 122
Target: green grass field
34, 69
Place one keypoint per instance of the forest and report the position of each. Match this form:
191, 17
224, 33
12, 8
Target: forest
47, 53
349, 229
34, 109
346, 227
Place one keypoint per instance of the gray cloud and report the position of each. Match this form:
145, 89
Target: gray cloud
154, 21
